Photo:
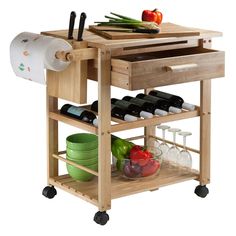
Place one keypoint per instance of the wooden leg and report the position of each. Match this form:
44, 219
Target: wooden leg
104, 129
52, 129
149, 130
205, 131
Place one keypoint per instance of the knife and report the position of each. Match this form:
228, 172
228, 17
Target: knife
81, 26
146, 31
71, 25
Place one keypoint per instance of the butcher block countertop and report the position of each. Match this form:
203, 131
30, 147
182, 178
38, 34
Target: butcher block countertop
95, 40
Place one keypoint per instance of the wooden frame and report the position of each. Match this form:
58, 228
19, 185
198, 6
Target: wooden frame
105, 187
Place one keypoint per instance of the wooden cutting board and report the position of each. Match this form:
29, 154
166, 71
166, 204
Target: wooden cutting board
166, 30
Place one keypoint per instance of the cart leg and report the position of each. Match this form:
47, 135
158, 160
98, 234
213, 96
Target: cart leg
149, 130
205, 135
52, 144
52, 129
104, 128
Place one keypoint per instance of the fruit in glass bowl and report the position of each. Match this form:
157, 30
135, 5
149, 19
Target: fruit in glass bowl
141, 162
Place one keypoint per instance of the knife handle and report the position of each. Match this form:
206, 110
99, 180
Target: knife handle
147, 31
81, 26
71, 25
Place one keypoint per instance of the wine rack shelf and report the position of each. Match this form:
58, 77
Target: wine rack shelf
121, 125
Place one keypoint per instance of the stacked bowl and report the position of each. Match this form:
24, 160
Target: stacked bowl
82, 149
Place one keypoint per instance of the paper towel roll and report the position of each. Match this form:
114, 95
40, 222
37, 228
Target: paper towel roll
31, 53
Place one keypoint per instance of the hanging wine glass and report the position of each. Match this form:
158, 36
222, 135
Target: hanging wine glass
185, 158
163, 145
173, 152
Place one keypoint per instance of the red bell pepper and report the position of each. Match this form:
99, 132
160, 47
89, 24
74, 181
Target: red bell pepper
140, 156
152, 16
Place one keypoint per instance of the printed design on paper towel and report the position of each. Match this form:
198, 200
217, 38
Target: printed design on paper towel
26, 53
24, 40
21, 67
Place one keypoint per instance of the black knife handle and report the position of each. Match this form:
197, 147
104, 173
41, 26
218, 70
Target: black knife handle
147, 31
81, 26
71, 25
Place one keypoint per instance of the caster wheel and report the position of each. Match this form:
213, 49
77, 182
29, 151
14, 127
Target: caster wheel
49, 192
101, 217
201, 191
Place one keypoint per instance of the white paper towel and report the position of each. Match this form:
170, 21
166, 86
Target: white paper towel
31, 53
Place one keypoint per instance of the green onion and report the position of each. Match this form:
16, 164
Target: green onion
126, 22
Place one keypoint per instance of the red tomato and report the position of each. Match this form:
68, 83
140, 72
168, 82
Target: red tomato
150, 168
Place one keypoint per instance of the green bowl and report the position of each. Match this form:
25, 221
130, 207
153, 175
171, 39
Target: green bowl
82, 155
82, 141
79, 174
84, 162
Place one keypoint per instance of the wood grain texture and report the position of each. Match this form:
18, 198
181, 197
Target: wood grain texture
133, 74
97, 41
75, 164
57, 116
120, 186
52, 137
149, 130
70, 84
154, 121
205, 131
104, 130
166, 30
120, 126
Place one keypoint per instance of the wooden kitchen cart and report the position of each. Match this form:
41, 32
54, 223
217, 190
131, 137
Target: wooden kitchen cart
129, 64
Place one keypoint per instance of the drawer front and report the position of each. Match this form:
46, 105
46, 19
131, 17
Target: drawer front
170, 67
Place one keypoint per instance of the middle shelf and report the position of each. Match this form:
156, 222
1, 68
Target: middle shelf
120, 125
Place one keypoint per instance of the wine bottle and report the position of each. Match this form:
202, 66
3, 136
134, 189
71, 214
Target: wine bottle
162, 105
174, 100
131, 108
80, 114
145, 105
116, 112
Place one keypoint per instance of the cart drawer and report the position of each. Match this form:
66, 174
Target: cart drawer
166, 67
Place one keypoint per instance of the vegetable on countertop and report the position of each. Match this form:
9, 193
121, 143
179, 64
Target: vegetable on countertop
152, 16
127, 22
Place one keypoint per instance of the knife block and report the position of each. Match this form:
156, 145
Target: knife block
70, 84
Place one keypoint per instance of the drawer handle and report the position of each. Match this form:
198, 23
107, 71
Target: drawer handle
181, 68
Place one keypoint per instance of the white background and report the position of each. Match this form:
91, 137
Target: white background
173, 210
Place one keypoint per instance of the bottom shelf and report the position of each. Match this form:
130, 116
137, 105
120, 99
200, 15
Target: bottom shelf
122, 187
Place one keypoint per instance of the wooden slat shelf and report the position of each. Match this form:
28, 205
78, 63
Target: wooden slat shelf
123, 187
71, 121
125, 125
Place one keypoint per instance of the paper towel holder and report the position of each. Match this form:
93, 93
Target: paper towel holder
77, 54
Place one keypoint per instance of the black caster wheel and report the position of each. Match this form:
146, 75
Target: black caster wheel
49, 192
101, 217
201, 191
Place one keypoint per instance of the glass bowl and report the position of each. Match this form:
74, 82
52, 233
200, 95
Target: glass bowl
139, 167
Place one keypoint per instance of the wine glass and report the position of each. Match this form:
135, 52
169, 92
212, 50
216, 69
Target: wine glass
185, 158
163, 146
173, 152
